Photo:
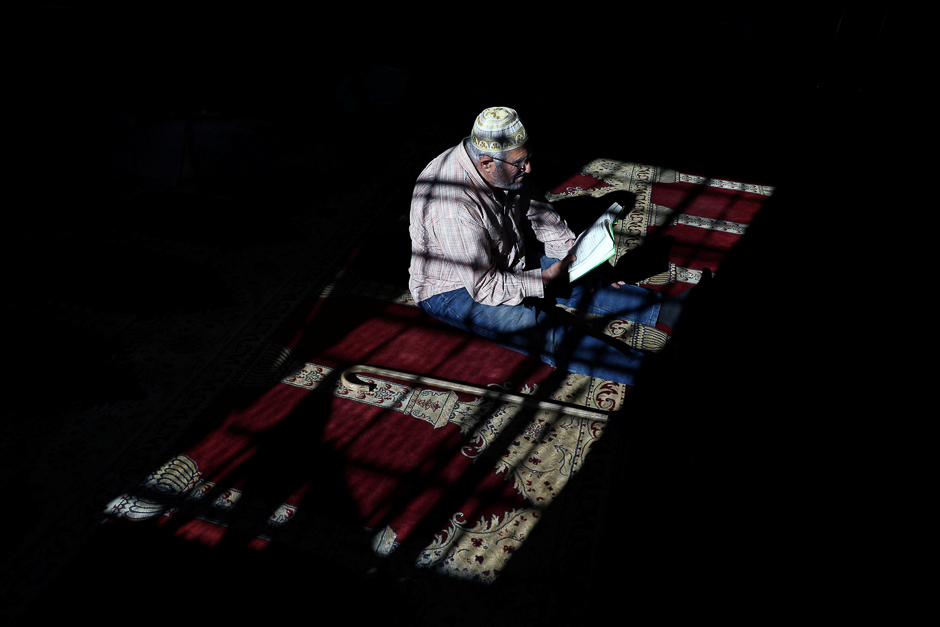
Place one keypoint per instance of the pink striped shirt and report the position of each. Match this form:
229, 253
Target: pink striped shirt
463, 234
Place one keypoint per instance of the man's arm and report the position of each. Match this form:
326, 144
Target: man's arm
549, 227
466, 246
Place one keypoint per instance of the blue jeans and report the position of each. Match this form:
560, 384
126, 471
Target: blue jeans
529, 329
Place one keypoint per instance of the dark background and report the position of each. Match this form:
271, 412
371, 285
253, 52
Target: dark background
711, 77
822, 100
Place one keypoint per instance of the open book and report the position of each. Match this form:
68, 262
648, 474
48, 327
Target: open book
595, 245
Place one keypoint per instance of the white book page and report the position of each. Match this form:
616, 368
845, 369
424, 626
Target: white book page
594, 244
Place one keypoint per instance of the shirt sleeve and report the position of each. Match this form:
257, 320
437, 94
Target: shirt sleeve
467, 247
550, 228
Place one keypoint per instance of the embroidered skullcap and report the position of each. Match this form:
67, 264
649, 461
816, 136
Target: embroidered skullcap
498, 129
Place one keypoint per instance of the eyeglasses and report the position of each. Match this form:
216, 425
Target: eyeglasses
521, 164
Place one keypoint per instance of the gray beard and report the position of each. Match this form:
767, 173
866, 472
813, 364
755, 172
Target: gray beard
512, 184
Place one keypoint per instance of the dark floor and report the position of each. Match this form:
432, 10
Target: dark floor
781, 487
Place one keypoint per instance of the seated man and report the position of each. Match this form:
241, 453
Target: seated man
471, 212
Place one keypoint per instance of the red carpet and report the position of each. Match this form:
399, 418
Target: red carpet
461, 481
391, 459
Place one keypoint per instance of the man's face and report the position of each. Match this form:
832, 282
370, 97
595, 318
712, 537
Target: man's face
506, 175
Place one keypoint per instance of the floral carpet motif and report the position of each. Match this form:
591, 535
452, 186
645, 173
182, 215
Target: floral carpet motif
537, 461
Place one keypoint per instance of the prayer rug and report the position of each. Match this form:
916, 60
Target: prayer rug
393, 460
408, 474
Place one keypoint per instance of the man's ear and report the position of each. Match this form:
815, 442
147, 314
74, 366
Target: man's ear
486, 163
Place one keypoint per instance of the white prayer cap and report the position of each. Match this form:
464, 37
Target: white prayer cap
498, 129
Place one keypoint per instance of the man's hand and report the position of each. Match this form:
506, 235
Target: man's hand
556, 271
